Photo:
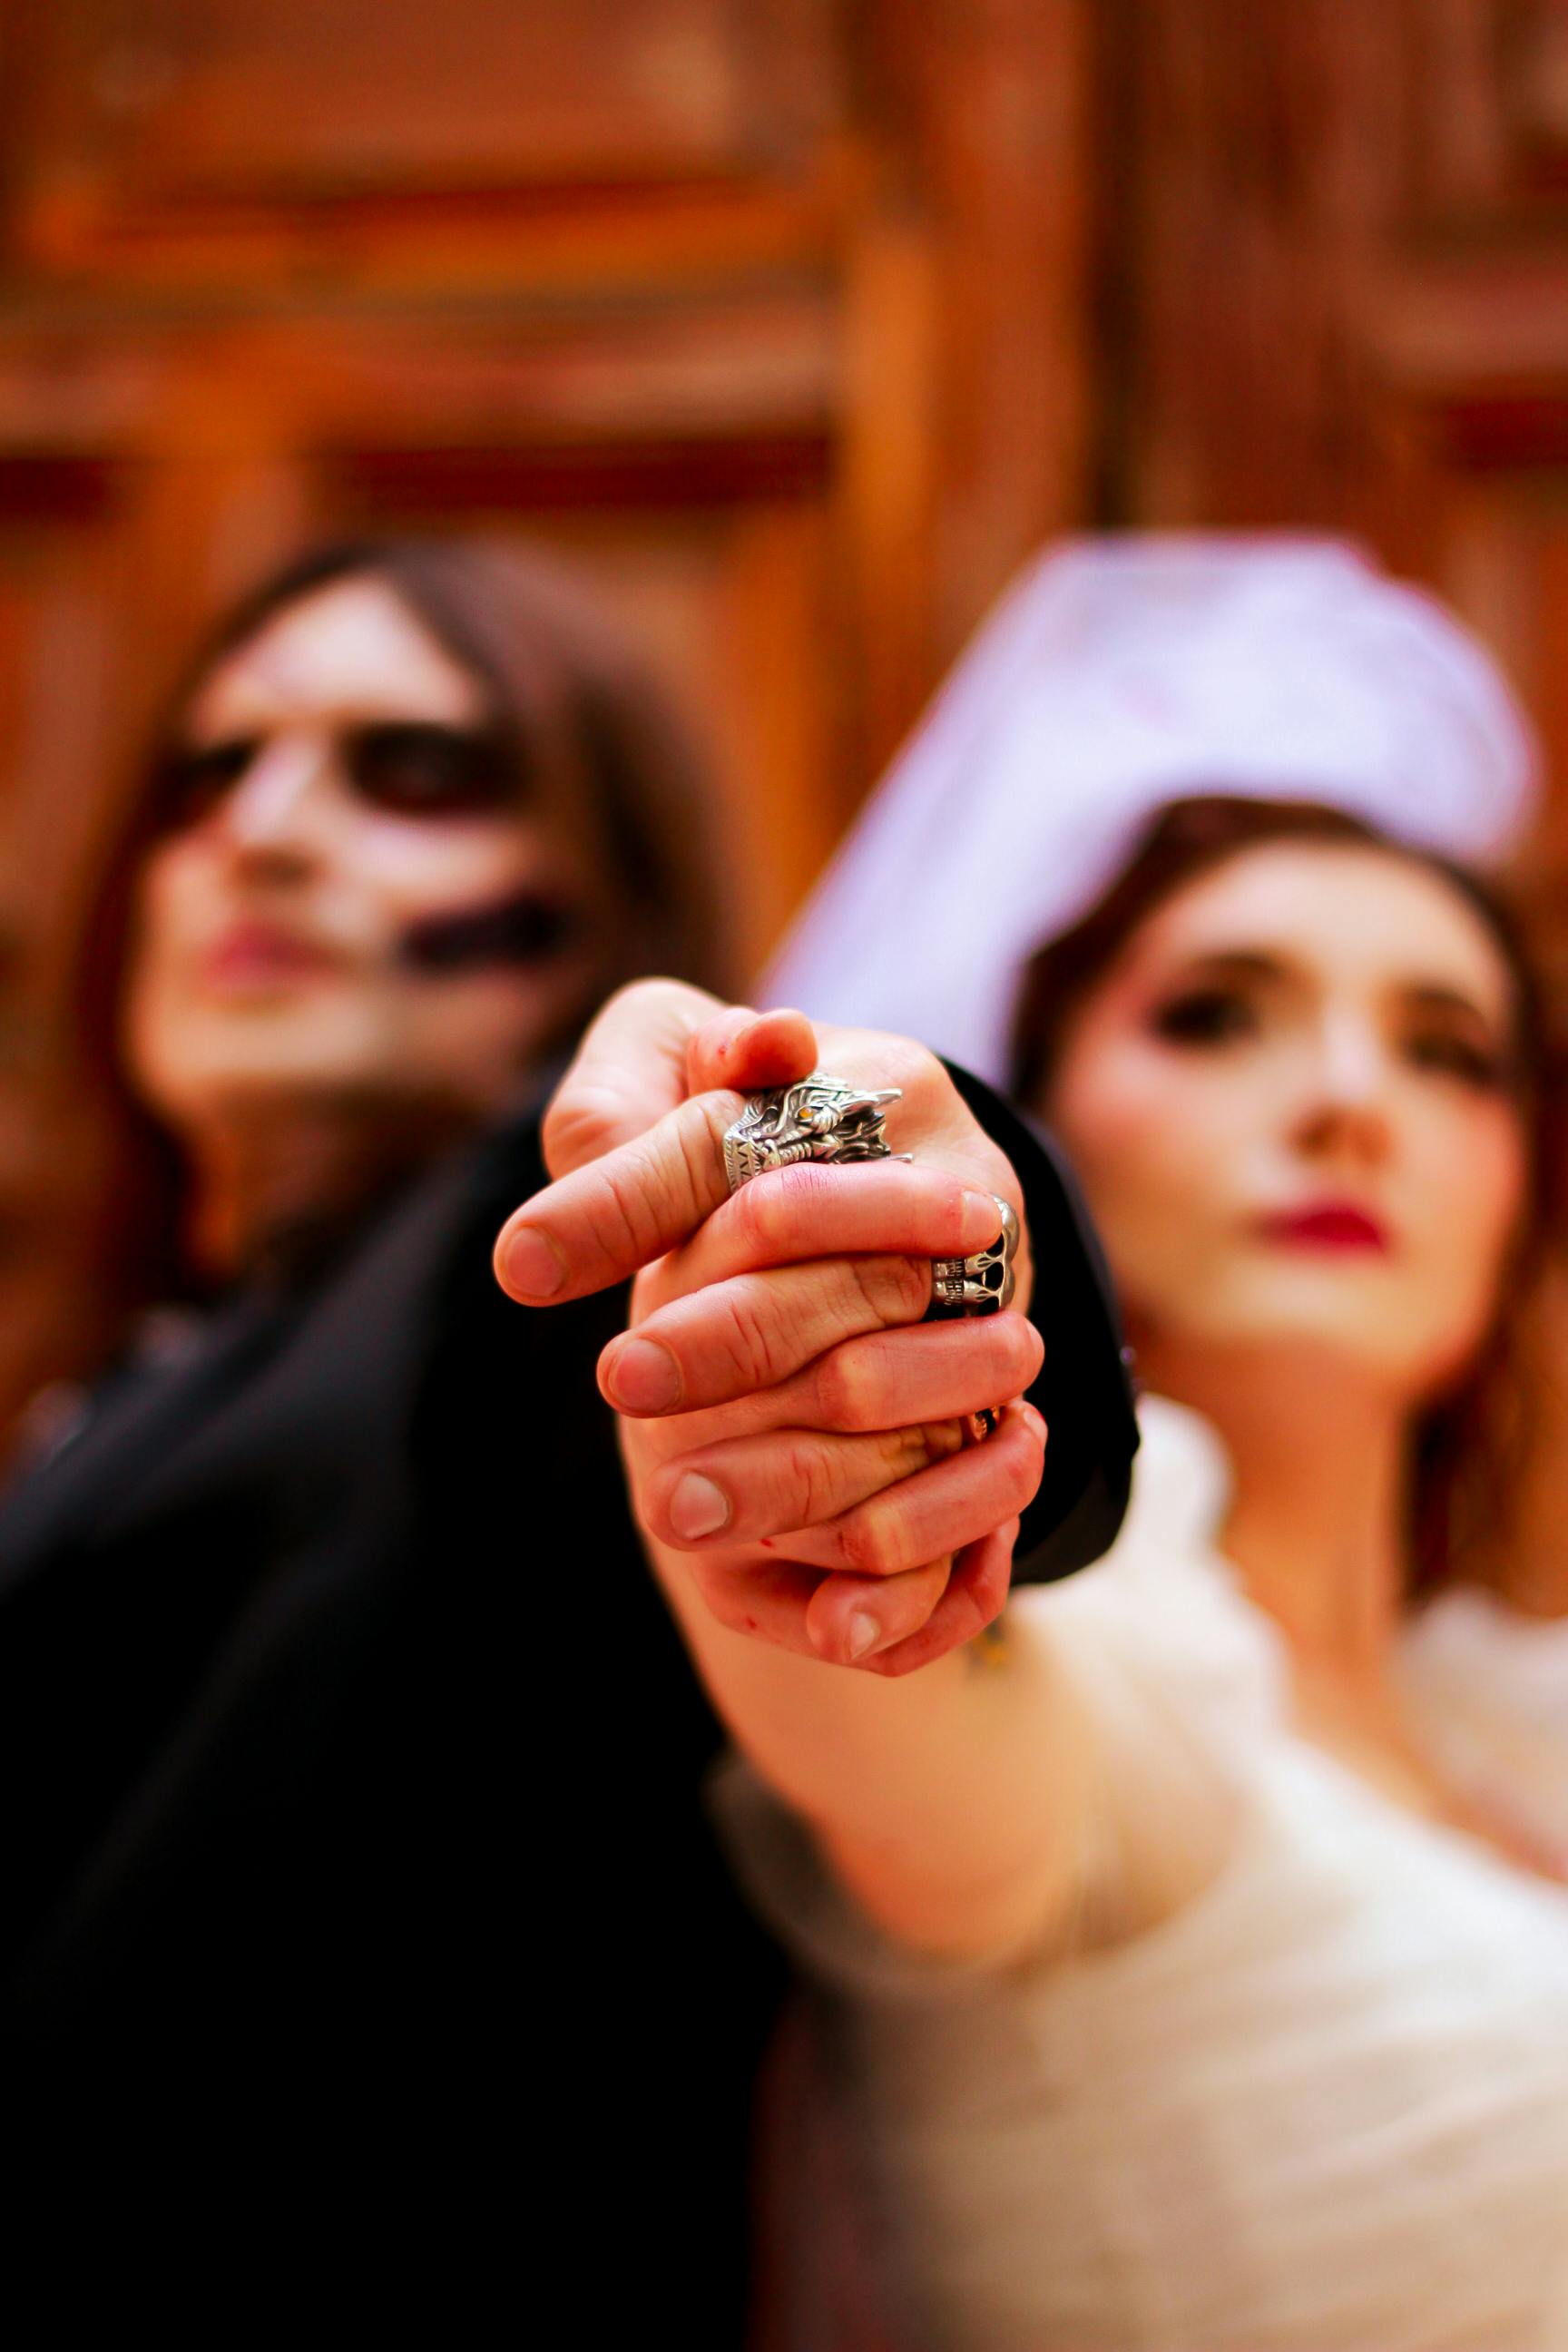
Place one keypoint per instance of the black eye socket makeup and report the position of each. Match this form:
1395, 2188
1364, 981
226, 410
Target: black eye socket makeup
525, 929
407, 767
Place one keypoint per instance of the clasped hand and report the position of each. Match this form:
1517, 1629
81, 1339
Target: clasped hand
794, 1432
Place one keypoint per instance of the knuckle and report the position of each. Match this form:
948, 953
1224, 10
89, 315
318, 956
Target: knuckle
1022, 1476
990, 1590
726, 1598
776, 1209
577, 1128
870, 1540
622, 1210
981, 1598
808, 1481
846, 1389
749, 1339
699, 1136
935, 1442
908, 1064
655, 1180
1029, 1346
1015, 1352
891, 1290
635, 996
747, 1216
801, 1194
760, 1213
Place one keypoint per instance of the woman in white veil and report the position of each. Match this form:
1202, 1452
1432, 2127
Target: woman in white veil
1113, 677
1201, 1948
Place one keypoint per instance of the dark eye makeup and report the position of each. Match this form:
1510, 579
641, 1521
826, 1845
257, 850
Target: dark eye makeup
423, 770
1213, 1014
417, 768
192, 782
1207, 1016
1472, 1060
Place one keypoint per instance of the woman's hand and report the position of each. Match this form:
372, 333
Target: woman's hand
793, 1432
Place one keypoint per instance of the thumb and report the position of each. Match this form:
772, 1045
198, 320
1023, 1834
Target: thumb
627, 1072
749, 1050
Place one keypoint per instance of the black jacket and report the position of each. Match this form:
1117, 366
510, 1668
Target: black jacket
354, 1855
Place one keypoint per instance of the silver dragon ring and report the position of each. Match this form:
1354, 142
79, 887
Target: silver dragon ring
980, 1284
819, 1117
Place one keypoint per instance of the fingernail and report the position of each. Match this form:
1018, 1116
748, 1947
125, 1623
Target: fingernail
980, 1210
644, 1377
697, 1507
863, 1634
532, 1265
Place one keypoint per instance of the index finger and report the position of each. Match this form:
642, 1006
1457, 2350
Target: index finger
809, 1211
605, 1221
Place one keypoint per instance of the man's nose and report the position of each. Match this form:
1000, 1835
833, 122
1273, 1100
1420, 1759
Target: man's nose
275, 808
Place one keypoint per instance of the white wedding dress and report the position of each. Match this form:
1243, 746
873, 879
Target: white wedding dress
1323, 2107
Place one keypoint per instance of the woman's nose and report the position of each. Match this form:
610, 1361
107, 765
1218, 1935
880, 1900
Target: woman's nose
1347, 1101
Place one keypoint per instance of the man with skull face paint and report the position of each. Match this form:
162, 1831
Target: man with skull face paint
353, 1733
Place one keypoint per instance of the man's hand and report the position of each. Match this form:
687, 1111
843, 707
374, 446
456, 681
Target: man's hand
791, 1425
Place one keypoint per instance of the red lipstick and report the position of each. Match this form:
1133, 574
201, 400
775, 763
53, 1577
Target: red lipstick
1327, 1225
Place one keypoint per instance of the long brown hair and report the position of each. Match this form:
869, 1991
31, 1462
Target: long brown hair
584, 730
1474, 1444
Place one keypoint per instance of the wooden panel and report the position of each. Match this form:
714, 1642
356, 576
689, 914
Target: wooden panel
59, 676
1342, 283
771, 314
151, 103
1256, 166
986, 118
1488, 82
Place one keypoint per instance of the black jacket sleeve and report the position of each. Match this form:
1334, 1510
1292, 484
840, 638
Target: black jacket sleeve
1084, 1392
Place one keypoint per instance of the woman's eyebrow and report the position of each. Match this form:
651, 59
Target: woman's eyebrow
1426, 993
1442, 997
1236, 963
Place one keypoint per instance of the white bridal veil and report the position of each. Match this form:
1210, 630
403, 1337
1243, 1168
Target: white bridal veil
1115, 676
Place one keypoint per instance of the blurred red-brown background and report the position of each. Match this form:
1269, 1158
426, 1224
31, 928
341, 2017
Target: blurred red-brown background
799, 323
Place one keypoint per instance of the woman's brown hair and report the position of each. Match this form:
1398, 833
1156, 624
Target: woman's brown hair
579, 724
1474, 1444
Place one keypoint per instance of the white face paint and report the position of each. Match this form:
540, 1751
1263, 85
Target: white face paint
1289, 1102
266, 961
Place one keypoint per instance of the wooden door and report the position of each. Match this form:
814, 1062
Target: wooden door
772, 316
1336, 294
